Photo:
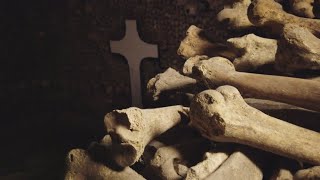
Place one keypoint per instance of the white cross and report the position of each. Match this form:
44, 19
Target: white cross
134, 50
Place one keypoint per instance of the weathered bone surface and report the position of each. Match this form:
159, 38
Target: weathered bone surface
268, 13
255, 52
188, 65
81, 166
211, 162
168, 81
196, 43
236, 16
303, 8
308, 174
133, 128
299, 49
238, 166
219, 71
167, 159
222, 115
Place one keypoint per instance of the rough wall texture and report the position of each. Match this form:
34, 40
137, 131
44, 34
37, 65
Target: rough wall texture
58, 77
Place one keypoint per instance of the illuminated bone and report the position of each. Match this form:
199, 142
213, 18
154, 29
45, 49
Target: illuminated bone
255, 52
197, 43
81, 166
236, 16
303, 8
268, 13
222, 115
133, 128
299, 49
219, 71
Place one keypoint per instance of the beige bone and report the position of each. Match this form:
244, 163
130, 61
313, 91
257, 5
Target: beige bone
133, 128
303, 8
299, 92
167, 160
299, 49
196, 42
211, 162
168, 81
256, 52
308, 174
236, 16
222, 115
81, 166
268, 13
240, 166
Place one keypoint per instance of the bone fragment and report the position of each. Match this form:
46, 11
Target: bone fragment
285, 169
240, 165
255, 52
236, 15
282, 174
303, 8
167, 160
308, 174
219, 71
268, 13
299, 49
197, 43
81, 166
211, 162
170, 80
133, 128
222, 115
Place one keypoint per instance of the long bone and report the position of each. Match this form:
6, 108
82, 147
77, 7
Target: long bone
240, 165
81, 166
168, 81
219, 71
298, 49
133, 128
305, 174
167, 159
303, 8
197, 42
236, 15
212, 160
222, 115
256, 52
268, 13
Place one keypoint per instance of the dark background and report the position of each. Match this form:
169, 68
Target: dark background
59, 78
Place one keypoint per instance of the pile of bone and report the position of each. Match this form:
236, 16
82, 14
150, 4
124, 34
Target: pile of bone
233, 124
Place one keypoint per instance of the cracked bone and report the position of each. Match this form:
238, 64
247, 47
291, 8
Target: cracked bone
236, 16
133, 128
222, 115
168, 160
196, 42
303, 8
212, 160
269, 14
299, 49
240, 165
81, 166
169, 80
219, 71
255, 52
305, 174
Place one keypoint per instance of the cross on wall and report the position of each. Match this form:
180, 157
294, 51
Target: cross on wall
134, 50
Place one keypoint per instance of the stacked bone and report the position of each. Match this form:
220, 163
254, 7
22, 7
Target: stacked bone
234, 124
